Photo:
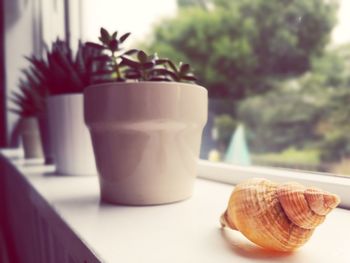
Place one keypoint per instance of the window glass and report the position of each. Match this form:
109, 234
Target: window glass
277, 72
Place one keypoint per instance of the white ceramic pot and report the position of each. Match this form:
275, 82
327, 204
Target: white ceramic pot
45, 138
146, 138
29, 130
70, 139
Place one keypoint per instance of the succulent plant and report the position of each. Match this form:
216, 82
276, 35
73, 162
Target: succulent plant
57, 73
151, 68
145, 67
62, 73
29, 99
179, 73
121, 66
110, 57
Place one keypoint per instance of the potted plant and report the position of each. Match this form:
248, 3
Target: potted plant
66, 76
28, 105
145, 125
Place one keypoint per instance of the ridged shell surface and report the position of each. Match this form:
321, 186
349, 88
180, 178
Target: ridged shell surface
277, 217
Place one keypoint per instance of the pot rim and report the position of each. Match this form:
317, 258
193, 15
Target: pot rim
65, 95
153, 83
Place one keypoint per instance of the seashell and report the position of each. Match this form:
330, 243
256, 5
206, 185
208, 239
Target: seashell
275, 216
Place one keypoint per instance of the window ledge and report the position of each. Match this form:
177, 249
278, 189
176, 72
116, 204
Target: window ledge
187, 231
233, 174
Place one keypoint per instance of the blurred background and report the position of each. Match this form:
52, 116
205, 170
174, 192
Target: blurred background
277, 71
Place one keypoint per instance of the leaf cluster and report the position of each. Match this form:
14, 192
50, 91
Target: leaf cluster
57, 72
133, 64
29, 99
151, 68
110, 58
60, 71
63, 73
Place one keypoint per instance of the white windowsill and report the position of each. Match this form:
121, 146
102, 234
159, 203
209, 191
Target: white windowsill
187, 231
234, 174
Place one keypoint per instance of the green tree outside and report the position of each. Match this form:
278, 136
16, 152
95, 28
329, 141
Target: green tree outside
271, 62
238, 48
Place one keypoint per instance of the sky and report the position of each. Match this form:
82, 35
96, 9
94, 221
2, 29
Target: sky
341, 33
138, 16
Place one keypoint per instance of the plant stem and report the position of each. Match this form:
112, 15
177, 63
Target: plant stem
116, 66
144, 75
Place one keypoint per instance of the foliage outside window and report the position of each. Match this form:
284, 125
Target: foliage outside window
271, 67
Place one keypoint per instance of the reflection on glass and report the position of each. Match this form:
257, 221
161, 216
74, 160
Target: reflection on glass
280, 69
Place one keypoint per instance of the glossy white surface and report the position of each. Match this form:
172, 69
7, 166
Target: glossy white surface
233, 174
146, 138
30, 136
70, 137
187, 231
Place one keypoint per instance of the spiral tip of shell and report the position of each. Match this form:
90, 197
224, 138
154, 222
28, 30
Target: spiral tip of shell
226, 222
321, 202
223, 221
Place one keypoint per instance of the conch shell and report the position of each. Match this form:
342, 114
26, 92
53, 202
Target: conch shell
275, 216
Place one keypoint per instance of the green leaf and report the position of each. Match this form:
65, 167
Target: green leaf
103, 58
114, 35
95, 45
132, 74
124, 37
142, 56
130, 52
172, 65
184, 68
162, 61
153, 57
113, 45
105, 37
164, 72
148, 65
189, 77
130, 63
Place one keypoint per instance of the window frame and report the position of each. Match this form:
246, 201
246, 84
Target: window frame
233, 174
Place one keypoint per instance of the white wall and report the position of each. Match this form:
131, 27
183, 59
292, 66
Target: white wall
18, 42
27, 23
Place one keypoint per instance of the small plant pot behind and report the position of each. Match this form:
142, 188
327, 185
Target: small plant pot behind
30, 136
146, 138
45, 138
70, 140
